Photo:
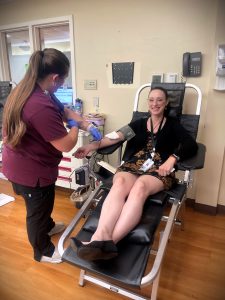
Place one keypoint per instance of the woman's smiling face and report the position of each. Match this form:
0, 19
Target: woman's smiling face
157, 102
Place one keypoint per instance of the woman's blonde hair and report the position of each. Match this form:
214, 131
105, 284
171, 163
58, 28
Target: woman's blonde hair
41, 64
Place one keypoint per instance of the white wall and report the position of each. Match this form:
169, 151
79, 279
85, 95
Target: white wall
153, 34
211, 182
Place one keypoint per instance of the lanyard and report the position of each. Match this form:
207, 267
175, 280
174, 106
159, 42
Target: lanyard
154, 138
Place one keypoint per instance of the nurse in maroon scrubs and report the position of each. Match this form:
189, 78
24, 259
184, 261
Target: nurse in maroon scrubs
34, 138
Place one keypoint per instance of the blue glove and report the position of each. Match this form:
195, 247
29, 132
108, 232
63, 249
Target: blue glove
72, 123
94, 131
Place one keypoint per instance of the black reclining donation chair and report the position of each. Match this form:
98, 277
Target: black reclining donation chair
126, 274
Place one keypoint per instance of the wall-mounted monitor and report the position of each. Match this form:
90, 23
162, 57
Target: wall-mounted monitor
65, 96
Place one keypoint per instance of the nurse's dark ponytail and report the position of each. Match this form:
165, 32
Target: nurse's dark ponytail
42, 63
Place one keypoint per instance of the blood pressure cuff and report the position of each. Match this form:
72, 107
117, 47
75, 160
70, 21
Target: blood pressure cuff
127, 132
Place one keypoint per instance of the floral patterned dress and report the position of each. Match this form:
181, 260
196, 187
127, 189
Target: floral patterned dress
135, 163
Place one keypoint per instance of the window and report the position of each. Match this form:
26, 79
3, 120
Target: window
18, 50
18, 43
57, 36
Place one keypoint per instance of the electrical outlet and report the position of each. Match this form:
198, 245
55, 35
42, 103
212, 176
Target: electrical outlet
90, 84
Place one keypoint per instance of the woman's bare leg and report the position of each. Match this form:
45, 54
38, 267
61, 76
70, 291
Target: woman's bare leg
113, 205
132, 210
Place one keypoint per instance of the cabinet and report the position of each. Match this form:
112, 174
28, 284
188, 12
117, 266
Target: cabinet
68, 164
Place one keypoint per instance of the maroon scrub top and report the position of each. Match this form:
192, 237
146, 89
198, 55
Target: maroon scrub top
35, 160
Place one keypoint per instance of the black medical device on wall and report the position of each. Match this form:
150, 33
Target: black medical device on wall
123, 73
5, 88
192, 64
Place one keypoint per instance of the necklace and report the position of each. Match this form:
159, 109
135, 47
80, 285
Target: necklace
157, 123
154, 126
155, 135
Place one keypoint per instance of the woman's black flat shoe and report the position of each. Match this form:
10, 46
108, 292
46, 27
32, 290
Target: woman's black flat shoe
109, 246
89, 253
97, 250
109, 250
77, 244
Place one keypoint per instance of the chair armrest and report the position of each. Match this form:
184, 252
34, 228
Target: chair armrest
110, 149
107, 166
195, 162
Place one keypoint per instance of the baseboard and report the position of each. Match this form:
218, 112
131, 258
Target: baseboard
190, 202
207, 209
221, 209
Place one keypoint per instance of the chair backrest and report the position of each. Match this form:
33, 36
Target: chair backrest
176, 93
175, 96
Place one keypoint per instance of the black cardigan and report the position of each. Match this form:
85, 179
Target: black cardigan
172, 139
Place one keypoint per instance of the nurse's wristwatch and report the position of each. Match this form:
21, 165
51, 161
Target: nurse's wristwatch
176, 156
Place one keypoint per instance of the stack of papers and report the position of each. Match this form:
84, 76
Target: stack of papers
4, 199
1, 174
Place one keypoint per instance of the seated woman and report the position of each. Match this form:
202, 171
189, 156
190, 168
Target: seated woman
157, 143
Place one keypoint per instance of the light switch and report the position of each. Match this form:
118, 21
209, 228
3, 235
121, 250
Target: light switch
90, 84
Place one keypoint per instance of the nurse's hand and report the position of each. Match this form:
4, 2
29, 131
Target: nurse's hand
83, 151
95, 132
72, 123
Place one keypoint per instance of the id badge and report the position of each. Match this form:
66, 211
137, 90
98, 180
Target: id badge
147, 165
